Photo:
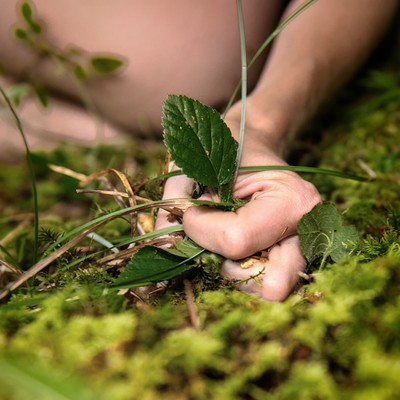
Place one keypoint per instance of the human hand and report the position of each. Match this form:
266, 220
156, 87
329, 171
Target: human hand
277, 201
266, 223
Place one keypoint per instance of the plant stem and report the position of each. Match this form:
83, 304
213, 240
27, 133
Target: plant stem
294, 168
28, 156
244, 86
270, 38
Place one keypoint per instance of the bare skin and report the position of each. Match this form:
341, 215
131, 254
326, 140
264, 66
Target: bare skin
170, 47
195, 52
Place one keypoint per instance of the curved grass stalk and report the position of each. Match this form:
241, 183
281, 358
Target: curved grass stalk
294, 168
80, 232
28, 156
74, 236
95, 223
306, 170
103, 241
121, 254
244, 87
266, 43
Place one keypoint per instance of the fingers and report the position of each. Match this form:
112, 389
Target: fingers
239, 234
272, 213
175, 187
272, 278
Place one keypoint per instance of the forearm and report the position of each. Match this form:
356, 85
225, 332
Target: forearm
314, 55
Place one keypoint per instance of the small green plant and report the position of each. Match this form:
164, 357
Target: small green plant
323, 234
201, 144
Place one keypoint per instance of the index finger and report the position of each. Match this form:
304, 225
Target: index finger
256, 226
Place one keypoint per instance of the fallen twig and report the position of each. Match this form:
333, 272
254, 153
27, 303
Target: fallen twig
191, 305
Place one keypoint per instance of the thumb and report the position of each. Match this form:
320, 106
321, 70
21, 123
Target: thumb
272, 277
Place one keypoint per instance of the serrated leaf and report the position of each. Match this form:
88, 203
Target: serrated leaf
199, 141
150, 265
106, 65
322, 234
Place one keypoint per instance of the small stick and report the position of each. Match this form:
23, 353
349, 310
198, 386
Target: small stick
371, 173
14, 233
191, 305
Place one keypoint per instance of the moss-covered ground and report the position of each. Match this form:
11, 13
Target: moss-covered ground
337, 337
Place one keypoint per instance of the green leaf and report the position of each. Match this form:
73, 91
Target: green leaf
36, 28
150, 265
27, 14
26, 11
41, 94
80, 73
17, 92
20, 33
106, 65
199, 141
323, 234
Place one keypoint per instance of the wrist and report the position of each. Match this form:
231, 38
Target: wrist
259, 148
279, 105
263, 134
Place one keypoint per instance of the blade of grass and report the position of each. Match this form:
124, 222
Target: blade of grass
304, 169
294, 168
116, 214
101, 240
81, 232
244, 87
122, 254
28, 156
